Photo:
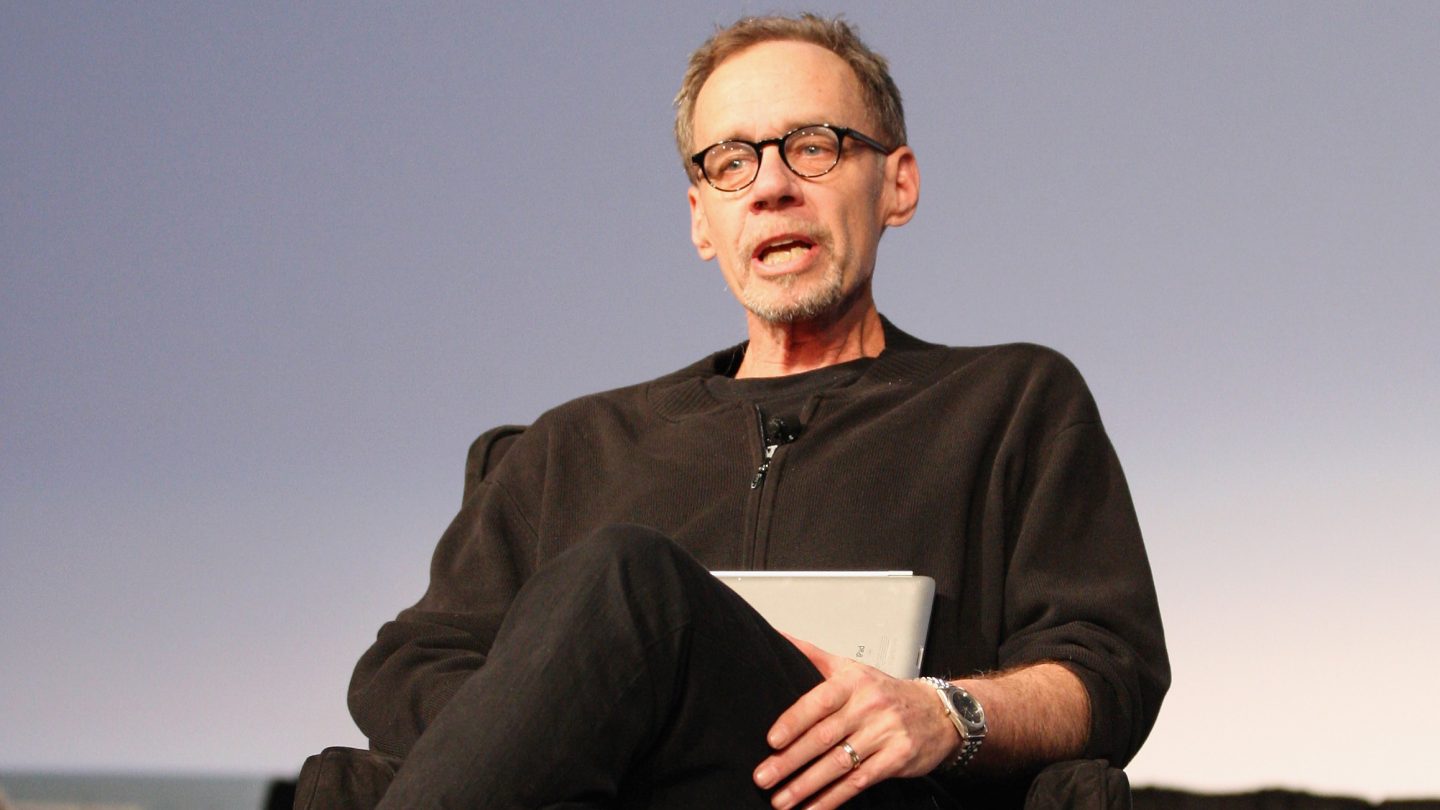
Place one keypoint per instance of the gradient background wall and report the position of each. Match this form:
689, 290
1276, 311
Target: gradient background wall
268, 268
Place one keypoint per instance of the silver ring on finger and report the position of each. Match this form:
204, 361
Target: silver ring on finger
850, 752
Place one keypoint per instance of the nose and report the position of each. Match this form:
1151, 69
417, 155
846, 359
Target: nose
775, 186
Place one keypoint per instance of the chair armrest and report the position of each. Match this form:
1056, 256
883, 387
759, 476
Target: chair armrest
1079, 784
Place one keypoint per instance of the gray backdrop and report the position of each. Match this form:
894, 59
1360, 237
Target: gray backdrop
268, 268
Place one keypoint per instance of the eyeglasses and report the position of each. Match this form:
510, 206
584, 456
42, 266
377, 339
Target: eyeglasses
809, 151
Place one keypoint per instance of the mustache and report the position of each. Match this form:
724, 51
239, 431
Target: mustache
818, 234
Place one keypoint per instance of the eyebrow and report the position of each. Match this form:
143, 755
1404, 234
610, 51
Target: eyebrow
795, 124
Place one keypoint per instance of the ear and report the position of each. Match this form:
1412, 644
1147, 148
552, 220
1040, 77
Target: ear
699, 225
902, 186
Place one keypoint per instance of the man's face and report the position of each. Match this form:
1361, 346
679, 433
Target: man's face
790, 248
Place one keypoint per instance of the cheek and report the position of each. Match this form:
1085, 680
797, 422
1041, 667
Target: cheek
726, 236
866, 226
731, 268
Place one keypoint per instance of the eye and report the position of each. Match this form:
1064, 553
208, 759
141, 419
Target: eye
813, 149
729, 160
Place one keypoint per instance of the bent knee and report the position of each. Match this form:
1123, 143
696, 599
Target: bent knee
636, 550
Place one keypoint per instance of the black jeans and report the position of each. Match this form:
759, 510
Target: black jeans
624, 676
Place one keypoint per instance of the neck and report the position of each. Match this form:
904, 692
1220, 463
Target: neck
778, 349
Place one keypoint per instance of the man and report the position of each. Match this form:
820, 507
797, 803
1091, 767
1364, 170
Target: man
571, 651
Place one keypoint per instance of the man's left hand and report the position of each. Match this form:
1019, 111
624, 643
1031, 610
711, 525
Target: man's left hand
893, 727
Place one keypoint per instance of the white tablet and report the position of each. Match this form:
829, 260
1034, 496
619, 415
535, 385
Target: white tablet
878, 618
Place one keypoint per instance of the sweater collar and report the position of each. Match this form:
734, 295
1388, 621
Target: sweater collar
906, 360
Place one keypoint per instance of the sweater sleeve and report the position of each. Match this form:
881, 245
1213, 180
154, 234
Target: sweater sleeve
422, 657
1078, 586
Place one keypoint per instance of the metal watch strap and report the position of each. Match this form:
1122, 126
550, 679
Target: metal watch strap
970, 740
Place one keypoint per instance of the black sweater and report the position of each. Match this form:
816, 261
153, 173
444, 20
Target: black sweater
985, 468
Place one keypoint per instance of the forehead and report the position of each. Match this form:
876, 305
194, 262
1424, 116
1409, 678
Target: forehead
772, 87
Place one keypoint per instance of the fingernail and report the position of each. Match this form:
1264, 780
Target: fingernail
764, 776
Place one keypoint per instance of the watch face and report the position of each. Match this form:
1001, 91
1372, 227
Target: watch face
968, 709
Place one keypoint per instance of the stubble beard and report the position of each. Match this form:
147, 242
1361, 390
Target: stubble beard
772, 301
774, 305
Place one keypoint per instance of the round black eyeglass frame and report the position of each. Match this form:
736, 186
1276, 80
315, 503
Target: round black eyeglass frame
841, 133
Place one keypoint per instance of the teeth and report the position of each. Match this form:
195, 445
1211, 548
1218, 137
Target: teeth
780, 255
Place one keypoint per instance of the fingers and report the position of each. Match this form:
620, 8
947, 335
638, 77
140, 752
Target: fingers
834, 778
892, 727
811, 709
812, 731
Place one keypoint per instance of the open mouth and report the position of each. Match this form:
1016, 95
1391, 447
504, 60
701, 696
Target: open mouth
778, 253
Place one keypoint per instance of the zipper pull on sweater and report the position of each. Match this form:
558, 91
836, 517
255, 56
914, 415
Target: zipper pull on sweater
773, 433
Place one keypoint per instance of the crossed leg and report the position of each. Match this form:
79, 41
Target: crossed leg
624, 676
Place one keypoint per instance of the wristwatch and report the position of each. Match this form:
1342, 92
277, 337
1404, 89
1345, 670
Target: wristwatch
969, 718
